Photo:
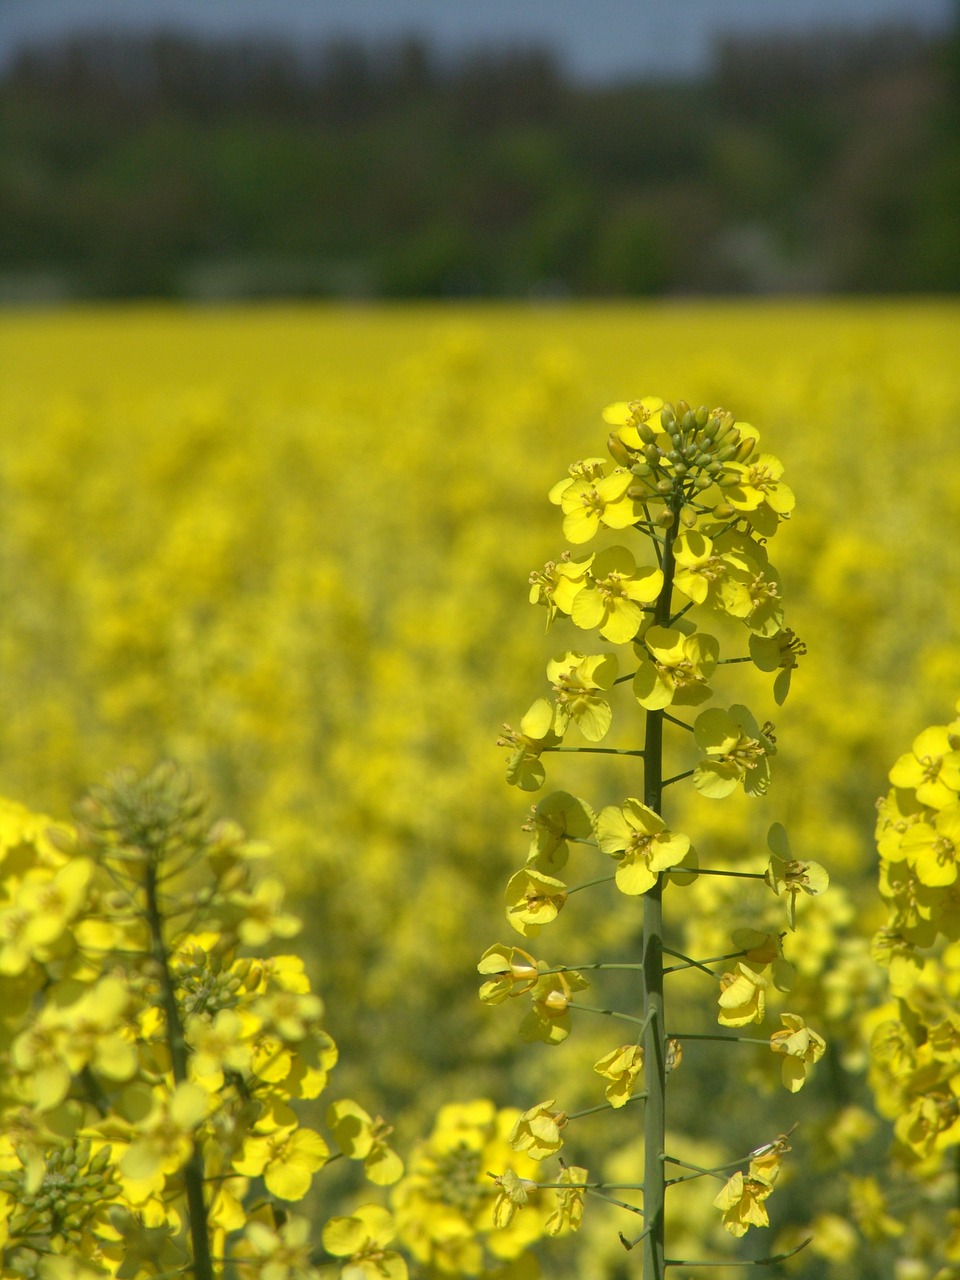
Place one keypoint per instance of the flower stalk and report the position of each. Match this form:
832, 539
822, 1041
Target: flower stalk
695, 489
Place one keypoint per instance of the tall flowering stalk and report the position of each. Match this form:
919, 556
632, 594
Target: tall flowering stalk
151, 1054
700, 503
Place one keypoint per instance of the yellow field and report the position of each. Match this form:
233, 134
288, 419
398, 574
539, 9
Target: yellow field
289, 547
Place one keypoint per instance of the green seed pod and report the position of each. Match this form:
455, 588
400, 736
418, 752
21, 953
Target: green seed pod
652, 454
688, 421
702, 414
646, 432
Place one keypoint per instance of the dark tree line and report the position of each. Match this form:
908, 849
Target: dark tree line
166, 165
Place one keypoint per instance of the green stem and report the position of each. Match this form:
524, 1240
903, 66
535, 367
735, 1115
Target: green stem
699, 964
592, 751
588, 884
677, 777
713, 871
681, 724
606, 1106
621, 1204
740, 1262
608, 1013
654, 1038
690, 962
681, 1035
598, 964
193, 1169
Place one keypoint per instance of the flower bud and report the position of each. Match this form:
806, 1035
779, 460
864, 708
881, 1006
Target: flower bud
618, 450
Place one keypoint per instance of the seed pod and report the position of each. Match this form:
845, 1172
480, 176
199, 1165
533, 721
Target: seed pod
702, 414
688, 421
652, 454
646, 432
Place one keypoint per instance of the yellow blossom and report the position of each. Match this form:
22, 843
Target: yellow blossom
615, 590
800, 1045
674, 668
621, 1067
641, 843
742, 997
537, 1131
568, 1215
360, 1137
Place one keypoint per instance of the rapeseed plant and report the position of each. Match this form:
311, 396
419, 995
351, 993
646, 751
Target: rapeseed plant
694, 488
151, 1064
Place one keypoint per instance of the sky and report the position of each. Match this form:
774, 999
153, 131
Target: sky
596, 39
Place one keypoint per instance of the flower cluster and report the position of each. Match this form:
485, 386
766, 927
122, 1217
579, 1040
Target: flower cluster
916, 1052
153, 1054
693, 484
455, 1206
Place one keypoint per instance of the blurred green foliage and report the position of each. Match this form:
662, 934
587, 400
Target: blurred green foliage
164, 166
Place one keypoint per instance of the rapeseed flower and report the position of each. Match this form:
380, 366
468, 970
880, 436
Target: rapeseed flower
639, 840
614, 592
674, 668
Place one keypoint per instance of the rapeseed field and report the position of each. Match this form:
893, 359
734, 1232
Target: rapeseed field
289, 548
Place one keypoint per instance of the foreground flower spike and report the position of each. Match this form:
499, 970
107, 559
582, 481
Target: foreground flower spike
915, 1050
684, 514
152, 1063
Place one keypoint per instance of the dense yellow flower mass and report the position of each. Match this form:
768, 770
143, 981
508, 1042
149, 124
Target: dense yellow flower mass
283, 546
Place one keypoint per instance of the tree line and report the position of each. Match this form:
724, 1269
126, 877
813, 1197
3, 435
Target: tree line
167, 165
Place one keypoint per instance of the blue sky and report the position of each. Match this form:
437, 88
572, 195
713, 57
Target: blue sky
597, 39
